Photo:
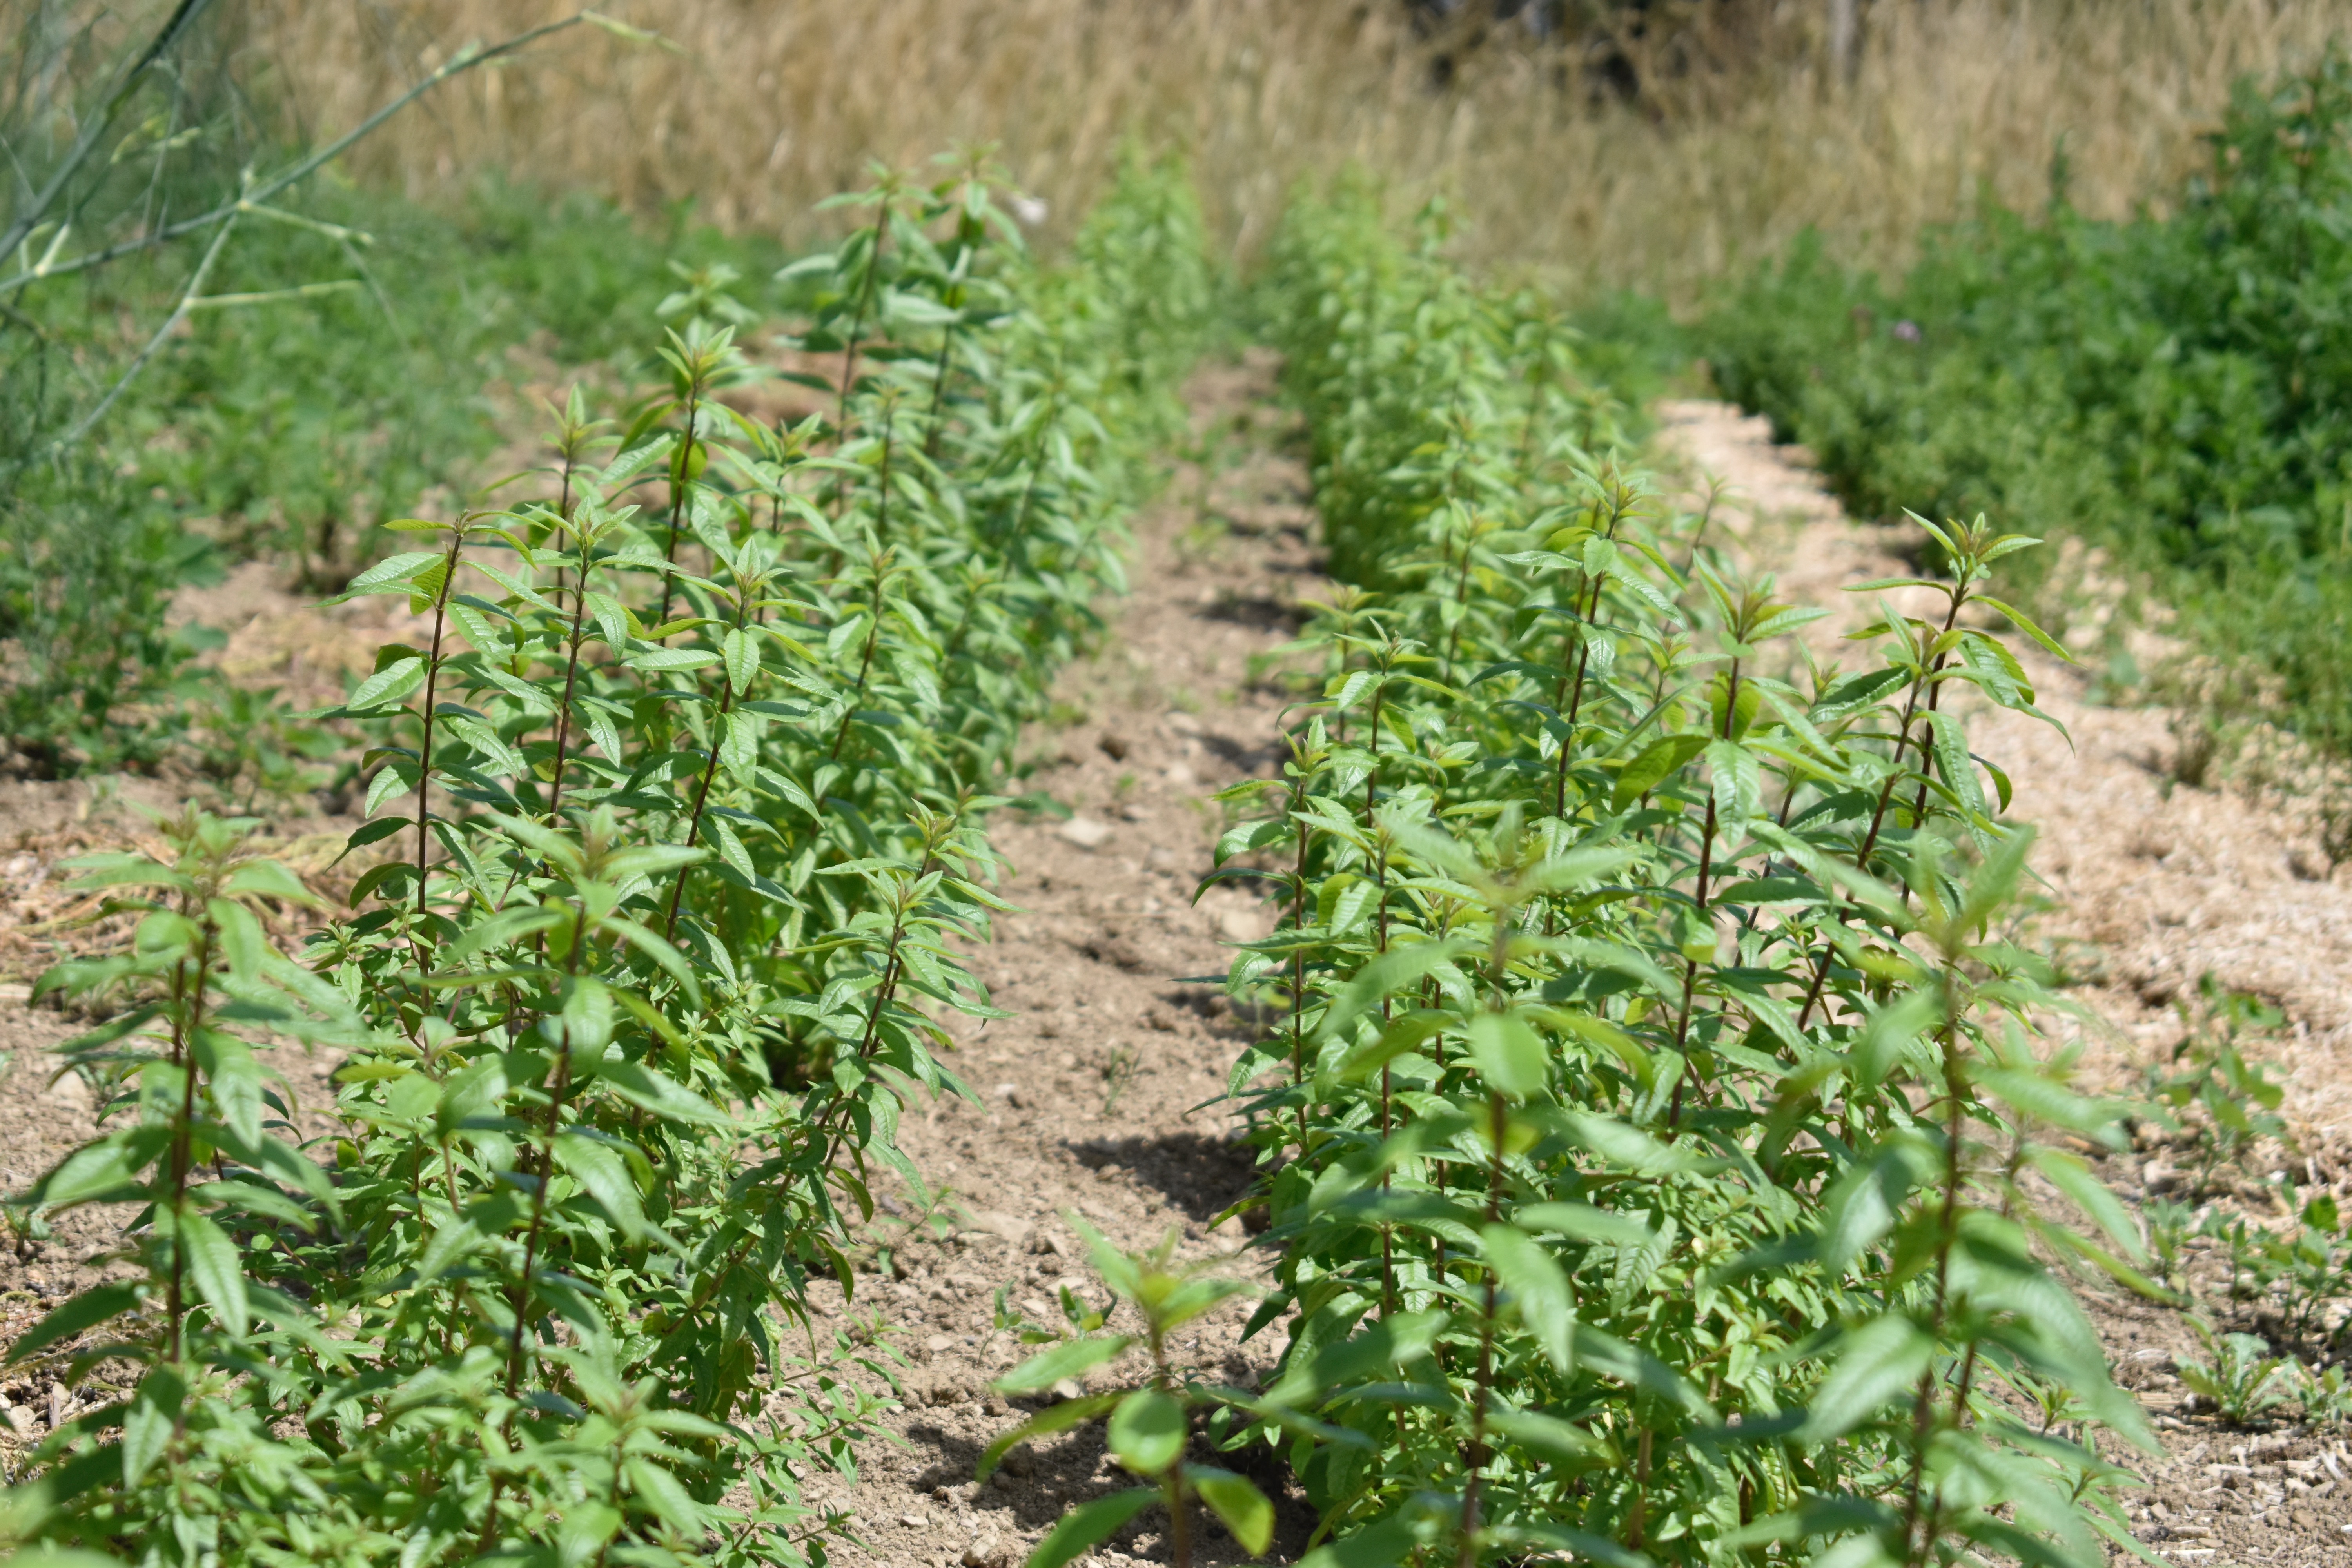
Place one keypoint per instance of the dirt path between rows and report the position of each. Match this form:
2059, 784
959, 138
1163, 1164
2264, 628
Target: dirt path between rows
1098, 1094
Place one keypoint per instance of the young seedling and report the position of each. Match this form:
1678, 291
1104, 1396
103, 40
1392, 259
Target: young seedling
1148, 1427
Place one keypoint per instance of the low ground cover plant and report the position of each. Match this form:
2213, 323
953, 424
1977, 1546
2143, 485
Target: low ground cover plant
2173, 387
674, 817
215, 347
1650, 1116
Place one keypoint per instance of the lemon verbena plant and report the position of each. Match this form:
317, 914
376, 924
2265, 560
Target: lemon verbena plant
676, 809
1665, 1148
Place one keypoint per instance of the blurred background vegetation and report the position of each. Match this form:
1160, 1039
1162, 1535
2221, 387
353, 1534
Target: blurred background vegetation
1651, 144
2030, 188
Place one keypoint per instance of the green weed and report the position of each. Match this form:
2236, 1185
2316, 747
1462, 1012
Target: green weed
2230, 1104
2176, 389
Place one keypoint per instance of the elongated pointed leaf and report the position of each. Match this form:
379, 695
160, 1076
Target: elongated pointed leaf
1069, 1359
1238, 1502
216, 1269
1088, 1525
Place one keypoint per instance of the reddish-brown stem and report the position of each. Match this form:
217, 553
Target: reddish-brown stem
882, 487
1706, 872
432, 683
1878, 816
184, 1036
1460, 602
858, 318
939, 394
571, 676
1585, 614
556, 1091
864, 665
1498, 1119
563, 510
681, 480
1299, 957
703, 790
1948, 1228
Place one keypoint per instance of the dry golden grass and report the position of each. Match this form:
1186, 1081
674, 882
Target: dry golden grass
763, 106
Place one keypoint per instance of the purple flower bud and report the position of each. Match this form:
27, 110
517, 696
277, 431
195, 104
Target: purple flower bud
1906, 331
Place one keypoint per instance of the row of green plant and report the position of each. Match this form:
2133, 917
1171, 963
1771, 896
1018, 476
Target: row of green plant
1654, 1120
676, 817
2175, 388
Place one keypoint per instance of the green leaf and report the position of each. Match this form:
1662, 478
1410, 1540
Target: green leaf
389, 684
1889, 1030
234, 1080
2037, 1096
742, 654
212, 1267
1384, 1544
666, 659
1877, 1364
1537, 1287
1394, 1340
147, 1423
242, 941
375, 832
95, 1169
94, 1306
1243, 1508
659, 1492
1561, 1443
268, 880
1147, 1432
2073, 1176
1508, 1055
389, 576
1069, 1359
1621, 1144
641, 1085
1088, 1525
1862, 1207
1583, 1222
1995, 881
1069, 1413
602, 1170
1738, 785
2048, 644
1661, 761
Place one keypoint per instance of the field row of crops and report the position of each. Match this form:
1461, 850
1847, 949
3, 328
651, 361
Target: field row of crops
1648, 1125
683, 809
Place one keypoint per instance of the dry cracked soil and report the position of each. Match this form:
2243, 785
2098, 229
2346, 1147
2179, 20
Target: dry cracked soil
1098, 1098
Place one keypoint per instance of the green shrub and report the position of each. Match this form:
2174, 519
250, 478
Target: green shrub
2178, 387
1649, 1120
287, 427
684, 805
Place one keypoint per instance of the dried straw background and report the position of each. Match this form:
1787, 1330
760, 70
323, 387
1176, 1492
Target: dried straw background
760, 107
